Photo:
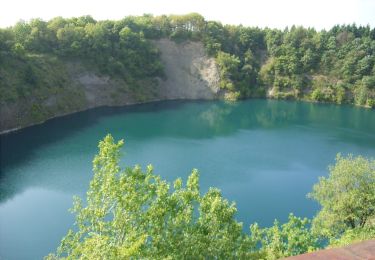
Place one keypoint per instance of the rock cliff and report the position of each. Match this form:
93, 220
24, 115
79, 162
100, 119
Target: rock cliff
190, 74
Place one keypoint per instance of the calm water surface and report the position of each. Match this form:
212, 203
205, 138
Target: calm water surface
263, 154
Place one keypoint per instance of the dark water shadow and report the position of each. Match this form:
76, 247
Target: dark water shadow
17, 146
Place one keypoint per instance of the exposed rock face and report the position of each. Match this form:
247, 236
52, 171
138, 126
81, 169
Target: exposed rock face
97, 89
190, 74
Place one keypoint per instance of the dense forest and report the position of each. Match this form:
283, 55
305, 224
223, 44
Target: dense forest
130, 213
336, 66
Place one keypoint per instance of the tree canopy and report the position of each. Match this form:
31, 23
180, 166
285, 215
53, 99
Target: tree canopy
347, 196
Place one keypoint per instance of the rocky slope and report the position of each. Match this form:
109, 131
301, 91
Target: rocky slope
190, 74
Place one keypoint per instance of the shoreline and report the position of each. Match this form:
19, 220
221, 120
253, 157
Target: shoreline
13, 130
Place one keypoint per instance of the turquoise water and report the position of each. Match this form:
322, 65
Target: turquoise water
263, 154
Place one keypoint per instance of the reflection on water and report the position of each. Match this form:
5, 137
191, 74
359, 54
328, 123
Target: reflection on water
264, 154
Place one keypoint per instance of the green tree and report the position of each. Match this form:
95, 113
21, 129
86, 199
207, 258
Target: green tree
288, 239
130, 213
351, 236
228, 65
347, 196
6, 41
71, 40
361, 94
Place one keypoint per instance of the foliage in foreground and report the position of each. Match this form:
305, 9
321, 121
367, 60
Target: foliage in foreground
288, 239
347, 197
134, 213
131, 213
353, 236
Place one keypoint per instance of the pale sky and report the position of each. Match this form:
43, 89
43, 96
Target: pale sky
271, 13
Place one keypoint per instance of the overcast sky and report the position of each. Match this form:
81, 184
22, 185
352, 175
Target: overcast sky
272, 13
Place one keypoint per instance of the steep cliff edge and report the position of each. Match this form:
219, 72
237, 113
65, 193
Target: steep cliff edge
190, 74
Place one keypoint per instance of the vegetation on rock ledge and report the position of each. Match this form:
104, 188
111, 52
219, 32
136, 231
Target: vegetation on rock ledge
336, 66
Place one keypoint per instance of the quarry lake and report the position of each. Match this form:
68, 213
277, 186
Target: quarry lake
263, 154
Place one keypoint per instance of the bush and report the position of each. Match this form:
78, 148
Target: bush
347, 196
371, 102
